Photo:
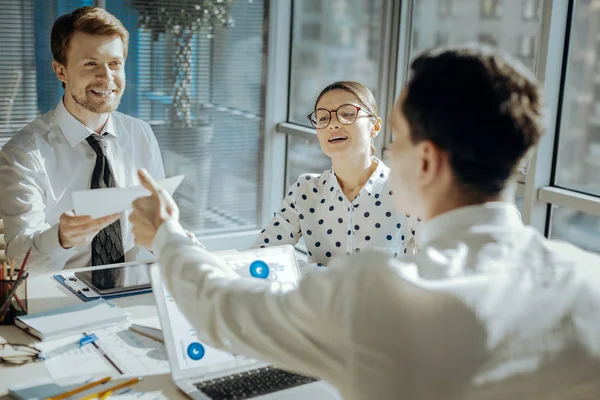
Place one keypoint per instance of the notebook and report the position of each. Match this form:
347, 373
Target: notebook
72, 320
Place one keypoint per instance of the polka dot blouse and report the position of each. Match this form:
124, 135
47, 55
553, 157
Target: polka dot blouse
332, 225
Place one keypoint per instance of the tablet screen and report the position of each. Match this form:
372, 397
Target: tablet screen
117, 279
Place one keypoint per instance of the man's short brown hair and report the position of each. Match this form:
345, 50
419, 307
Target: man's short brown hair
481, 106
92, 20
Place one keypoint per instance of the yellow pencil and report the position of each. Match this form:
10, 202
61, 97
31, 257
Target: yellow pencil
102, 393
106, 395
80, 389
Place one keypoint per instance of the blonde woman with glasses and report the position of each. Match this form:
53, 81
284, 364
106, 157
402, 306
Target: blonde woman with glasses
348, 208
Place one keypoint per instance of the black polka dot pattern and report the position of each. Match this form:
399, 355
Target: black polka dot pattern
333, 225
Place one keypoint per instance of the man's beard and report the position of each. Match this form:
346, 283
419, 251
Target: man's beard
102, 107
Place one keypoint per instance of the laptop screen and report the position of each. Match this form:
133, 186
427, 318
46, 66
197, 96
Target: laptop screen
275, 263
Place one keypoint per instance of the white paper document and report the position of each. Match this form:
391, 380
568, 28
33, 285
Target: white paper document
102, 202
75, 362
118, 352
134, 354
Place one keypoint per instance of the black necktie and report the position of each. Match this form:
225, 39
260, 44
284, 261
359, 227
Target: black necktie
107, 245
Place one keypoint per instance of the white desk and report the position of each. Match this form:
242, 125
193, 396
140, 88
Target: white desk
44, 293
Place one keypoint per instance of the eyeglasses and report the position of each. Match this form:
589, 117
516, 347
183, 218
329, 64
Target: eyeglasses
18, 354
346, 114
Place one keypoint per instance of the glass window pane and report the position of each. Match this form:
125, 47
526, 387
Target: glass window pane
510, 25
579, 141
577, 227
200, 88
336, 40
304, 156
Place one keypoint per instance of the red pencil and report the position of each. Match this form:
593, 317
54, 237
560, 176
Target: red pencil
24, 265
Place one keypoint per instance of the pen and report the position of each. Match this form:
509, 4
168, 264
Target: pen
87, 339
147, 331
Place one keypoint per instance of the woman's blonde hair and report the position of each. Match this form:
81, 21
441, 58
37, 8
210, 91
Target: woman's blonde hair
362, 93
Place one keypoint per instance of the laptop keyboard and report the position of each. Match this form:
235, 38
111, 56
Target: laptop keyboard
254, 383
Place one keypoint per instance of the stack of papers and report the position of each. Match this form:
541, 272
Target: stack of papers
84, 317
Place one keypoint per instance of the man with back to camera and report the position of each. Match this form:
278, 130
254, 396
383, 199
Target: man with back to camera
487, 309
82, 144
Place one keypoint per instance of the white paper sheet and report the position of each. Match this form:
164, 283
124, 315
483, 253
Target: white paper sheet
133, 354
75, 362
136, 355
102, 202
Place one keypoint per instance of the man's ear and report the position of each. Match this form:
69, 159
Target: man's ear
376, 128
60, 71
432, 160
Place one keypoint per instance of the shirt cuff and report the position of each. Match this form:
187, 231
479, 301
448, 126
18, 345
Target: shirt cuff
165, 231
49, 244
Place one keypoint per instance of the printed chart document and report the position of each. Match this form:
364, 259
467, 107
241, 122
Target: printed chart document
118, 352
99, 203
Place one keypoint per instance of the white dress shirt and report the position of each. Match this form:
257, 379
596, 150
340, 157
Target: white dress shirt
48, 160
488, 309
332, 225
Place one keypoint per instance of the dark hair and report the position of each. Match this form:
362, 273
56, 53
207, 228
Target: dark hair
479, 105
92, 20
362, 93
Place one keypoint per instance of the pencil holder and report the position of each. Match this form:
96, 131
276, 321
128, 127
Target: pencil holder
13, 298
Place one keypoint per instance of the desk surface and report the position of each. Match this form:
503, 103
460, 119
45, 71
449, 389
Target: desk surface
44, 293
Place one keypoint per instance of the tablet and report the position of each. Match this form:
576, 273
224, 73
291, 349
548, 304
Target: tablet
118, 279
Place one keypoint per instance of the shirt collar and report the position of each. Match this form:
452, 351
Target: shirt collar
498, 214
75, 131
374, 185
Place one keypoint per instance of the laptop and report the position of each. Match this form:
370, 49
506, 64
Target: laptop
204, 372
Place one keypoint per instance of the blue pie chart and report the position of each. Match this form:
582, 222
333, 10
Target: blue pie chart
195, 351
259, 269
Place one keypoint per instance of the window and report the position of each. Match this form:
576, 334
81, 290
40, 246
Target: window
441, 38
311, 31
487, 38
470, 23
348, 49
445, 8
491, 8
527, 46
28, 86
578, 158
532, 9
415, 39
304, 156
575, 226
220, 151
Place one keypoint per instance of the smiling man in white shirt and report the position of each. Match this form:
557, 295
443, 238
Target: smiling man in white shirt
487, 309
82, 144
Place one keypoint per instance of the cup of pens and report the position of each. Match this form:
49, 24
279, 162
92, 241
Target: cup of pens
13, 290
